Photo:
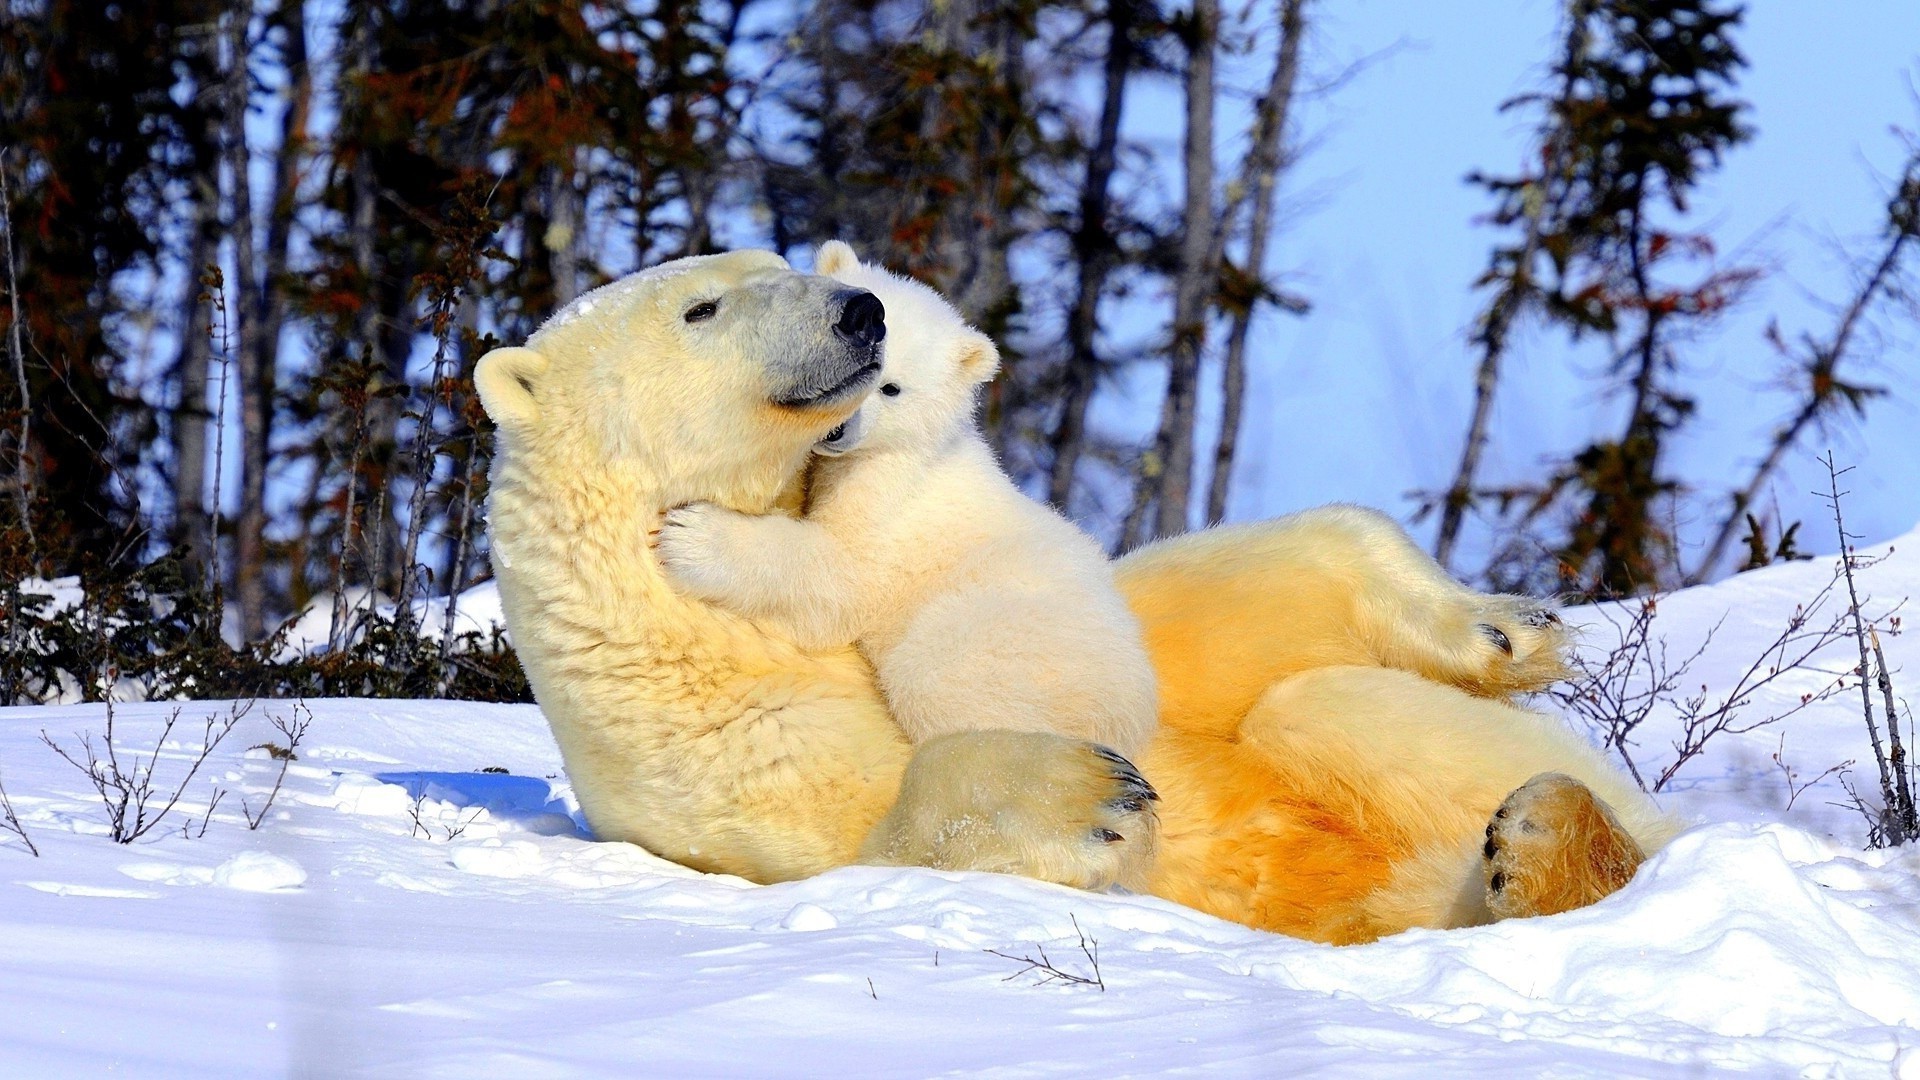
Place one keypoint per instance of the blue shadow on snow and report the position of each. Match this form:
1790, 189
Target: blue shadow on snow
527, 801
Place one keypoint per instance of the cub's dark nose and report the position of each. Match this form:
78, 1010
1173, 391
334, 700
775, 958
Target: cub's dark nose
863, 319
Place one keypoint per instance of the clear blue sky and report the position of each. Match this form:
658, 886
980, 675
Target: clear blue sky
1367, 398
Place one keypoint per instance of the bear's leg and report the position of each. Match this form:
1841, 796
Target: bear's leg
1027, 803
1228, 611
1554, 846
1426, 622
1486, 644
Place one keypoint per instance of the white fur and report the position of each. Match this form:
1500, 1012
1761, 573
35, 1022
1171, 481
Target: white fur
978, 607
709, 739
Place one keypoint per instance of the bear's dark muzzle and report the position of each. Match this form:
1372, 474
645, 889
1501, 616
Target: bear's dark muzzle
863, 319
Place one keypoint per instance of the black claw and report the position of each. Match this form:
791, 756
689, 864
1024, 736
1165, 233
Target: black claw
1502, 813
1540, 617
1498, 637
1497, 882
1493, 846
1139, 791
1129, 804
1490, 827
1107, 836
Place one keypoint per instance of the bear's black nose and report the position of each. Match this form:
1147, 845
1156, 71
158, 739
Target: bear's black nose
863, 319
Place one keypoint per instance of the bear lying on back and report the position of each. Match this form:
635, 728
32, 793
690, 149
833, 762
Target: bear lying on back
978, 607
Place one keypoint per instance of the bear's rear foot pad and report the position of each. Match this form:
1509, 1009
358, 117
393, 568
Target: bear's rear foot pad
1554, 846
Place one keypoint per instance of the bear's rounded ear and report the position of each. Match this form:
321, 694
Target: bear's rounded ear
835, 257
979, 357
506, 379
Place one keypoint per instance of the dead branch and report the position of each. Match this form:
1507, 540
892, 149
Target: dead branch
424, 828
186, 827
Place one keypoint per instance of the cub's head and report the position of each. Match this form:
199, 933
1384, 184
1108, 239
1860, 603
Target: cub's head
934, 362
711, 375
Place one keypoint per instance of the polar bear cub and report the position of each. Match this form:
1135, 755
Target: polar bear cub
977, 606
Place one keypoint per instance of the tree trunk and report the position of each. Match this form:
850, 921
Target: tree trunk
256, 389
1094, 254
192, 532
1193, 292
1265, 159
22, 450
562, 240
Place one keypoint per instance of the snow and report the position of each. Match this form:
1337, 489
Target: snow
404, 909
476, 610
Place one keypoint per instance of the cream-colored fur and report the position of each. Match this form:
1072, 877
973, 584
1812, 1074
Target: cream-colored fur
1309, 785
978, 607
685, 728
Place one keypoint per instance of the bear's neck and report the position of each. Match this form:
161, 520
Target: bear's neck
571, 554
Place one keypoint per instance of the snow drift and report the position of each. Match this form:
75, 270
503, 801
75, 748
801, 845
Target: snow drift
407, 909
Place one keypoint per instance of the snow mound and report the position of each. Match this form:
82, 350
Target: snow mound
259, 871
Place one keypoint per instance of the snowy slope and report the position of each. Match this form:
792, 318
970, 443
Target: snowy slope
344, 937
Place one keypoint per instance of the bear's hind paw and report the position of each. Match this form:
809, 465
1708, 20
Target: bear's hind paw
1554, 846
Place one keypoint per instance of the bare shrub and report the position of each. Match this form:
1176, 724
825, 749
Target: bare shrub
1050, 972
1640, 677
130, 791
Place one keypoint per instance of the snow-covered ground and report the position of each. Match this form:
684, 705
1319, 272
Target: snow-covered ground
405, 911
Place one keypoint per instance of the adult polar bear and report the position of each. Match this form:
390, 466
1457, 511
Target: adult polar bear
1308, 786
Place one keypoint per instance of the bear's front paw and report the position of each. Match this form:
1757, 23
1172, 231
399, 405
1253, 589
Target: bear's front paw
691, 543
1027, 803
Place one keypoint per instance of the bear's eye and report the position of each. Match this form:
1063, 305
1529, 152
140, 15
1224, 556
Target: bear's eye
891, 389
702, 311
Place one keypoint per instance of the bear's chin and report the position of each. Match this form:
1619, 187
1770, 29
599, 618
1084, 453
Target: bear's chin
812, 395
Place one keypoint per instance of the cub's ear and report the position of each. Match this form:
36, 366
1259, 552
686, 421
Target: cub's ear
508, 380
979, 357
835, 257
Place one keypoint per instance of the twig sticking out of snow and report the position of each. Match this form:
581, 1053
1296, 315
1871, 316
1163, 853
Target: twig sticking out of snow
1050, 972
187, 831
10, 822
423, 827
293, 729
